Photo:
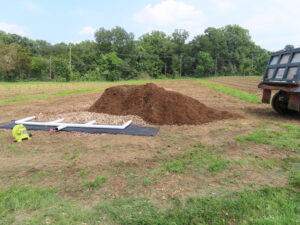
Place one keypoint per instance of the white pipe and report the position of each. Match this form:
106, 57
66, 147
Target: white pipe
127, 124
26, 121
60, 127
57, 121
91, 122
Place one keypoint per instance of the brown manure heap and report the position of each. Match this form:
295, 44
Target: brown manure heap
156, 105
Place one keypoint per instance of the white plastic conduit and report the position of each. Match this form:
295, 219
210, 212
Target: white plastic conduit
60, 126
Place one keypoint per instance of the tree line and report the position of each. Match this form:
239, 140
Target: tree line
117, 55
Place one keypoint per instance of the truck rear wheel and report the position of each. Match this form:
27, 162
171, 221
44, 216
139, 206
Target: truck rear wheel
280, 102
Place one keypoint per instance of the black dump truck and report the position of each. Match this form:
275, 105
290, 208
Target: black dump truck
283, 75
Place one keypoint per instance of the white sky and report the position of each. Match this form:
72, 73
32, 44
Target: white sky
272, 23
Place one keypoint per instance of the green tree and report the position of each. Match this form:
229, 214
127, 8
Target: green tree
231, 47
60, 50
115, 54
115, 40
84, 56
289, 47
179, 38
110, 66
39, 68
121, 42
60, 69
156, 50
15, 61
7, 61
205, 64
149, 66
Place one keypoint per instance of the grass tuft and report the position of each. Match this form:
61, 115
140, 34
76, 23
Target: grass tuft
24, 198
295, 179
265, 206
175, 166
200, 157
269, 205
287, 138
97, 183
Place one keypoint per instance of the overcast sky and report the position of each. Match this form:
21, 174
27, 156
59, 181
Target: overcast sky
272, 23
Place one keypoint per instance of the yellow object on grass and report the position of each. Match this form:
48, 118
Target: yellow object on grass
20, 133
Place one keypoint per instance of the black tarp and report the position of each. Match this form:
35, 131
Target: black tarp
130, 130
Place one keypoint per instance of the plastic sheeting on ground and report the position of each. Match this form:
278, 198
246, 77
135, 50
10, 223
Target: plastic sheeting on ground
130, 130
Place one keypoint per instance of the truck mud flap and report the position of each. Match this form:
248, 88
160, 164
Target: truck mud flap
266, 98
294, 102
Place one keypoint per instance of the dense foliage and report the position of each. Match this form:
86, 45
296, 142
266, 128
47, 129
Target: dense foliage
117, 55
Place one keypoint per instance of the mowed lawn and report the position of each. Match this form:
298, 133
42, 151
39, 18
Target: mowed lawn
240, 171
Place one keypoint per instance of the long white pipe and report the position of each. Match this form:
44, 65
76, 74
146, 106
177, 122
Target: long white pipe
91, 122
26, 121
60, 127
57, 121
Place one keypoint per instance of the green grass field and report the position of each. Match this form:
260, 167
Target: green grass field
265, 205
234, 172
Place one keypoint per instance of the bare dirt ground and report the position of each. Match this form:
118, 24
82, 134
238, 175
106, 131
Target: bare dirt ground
132, 163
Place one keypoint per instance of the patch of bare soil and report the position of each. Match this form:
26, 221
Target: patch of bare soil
156, 105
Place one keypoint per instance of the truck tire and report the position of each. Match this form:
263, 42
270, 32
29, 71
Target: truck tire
280, 103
